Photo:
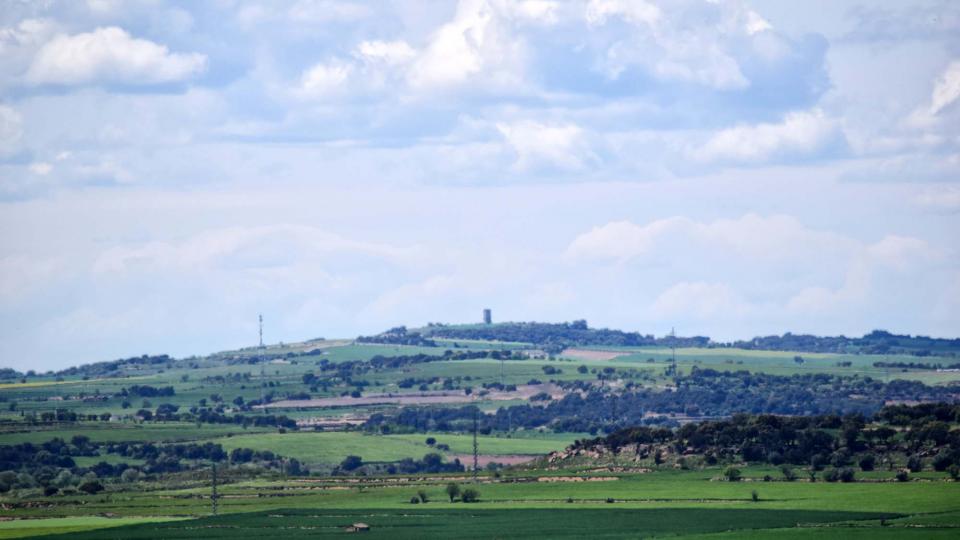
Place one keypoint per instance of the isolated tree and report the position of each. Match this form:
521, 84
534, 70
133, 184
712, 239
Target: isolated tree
351, 463
453, 490
732, 473
470, 495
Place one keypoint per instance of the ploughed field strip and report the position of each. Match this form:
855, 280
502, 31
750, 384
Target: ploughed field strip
487, 523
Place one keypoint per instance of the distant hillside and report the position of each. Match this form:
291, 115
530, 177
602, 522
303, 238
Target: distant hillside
554, 337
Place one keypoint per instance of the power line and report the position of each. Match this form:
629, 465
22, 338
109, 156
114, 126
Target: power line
263, 374
213, 495
476, 458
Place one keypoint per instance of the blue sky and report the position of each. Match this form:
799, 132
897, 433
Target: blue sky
170, 169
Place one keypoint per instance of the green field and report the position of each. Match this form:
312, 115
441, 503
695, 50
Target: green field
662, 503
330, 448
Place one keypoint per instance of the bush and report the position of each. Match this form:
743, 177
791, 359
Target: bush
831, 475
868, 462
942, 462
470, 495
915, 464
609, 500
954, 472
350, 463
847, 475
754, 496
431, 441
414, 500
130, 476
422, 495
91, 486
453, 490
788, 474
902, 476
732, 474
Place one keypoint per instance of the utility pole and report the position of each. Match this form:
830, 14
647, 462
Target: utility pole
673, 350
213, 495
476, 459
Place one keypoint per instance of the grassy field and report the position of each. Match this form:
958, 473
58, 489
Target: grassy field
331, 447
662, 503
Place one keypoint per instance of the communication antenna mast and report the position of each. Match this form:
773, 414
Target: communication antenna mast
476, 451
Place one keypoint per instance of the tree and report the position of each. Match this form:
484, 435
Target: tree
788, 474
847, 475
732, 473
351, 463
867, 462
422, 495
91, 486
453, 490
431, 441
915, 464
470, 495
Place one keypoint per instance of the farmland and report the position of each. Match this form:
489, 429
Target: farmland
311, 437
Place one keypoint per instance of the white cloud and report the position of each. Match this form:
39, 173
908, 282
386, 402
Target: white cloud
553, 145
942, 199
11, 130
676, 43
110, 55
774, 237
477, 42
701, 300
637, 12
325, 80
388, 52
253, 246
901, 252
946, 90
800, 133
40, 168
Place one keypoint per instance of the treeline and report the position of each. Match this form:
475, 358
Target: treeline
51, 468
876, 342
926, 439
554, 337
703, 393
915, 365
399, 336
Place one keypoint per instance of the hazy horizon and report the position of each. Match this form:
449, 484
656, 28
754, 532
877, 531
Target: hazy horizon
729, 169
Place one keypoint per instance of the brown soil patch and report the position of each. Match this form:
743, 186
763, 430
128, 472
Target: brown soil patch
591, 354
484, 459
525, 391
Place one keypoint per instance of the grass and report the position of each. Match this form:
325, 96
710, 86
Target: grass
22, 528
482, 523
329, 448
114, 432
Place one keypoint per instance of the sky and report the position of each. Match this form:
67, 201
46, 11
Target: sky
169, 170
